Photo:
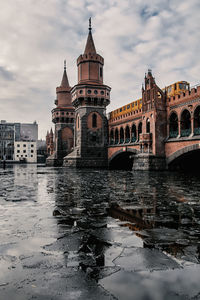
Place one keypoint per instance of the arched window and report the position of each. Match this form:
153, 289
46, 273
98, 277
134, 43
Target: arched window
116, 136
197, 121
133, 133
139, 129
111, 137
127, 134
173, 125
185, 123
94, 120
148, 126
121, 135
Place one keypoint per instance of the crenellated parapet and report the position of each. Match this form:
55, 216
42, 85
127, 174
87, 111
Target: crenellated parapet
184, 97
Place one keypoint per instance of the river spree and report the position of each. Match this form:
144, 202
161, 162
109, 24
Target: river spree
98, 234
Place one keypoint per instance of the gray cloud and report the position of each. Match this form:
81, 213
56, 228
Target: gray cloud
132, 35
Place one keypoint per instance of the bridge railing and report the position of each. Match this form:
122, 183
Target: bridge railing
173, 134
197, 131
185, 132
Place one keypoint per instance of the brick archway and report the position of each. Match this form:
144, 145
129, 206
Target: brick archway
182, 151
134, 151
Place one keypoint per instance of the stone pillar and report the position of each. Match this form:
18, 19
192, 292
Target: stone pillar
179, 128
168, 129
192, 125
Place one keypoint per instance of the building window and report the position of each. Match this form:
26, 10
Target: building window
32, 145
18, 145
24, 145
89, 91
18, 151
24, 151
101, 72
17, 155
94, 120
32, 151
25, 155
31, 155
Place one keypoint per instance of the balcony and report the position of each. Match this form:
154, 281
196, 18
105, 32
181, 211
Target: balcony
145, 137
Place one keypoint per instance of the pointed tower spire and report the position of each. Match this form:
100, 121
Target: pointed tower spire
64, 82
90, 47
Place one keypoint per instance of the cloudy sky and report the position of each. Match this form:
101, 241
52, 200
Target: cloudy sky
131, 35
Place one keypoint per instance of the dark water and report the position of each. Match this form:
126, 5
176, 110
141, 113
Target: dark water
88, 234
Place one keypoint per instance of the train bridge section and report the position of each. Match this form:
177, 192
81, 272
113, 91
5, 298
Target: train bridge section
163, 134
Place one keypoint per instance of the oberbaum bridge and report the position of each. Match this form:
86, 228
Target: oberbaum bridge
159, 131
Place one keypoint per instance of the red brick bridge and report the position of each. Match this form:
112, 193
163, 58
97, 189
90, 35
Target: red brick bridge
163, 134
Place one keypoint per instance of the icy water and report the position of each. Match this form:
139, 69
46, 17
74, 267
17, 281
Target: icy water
88, 234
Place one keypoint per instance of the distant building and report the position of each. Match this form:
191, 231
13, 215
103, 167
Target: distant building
29, 132
25, 151
16, 132
41, 151
7, 137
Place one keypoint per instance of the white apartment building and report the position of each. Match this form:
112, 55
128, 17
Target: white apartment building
25, 151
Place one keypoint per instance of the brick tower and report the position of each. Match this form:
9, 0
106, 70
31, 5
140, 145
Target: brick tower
152, 138
63, 118
90, 98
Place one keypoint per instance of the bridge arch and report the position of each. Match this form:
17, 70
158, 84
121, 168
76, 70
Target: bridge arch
185, 158
122, 159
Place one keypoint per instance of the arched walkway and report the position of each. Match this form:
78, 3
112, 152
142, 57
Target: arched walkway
127, 134
116, 136
133, 133
185, 123
121, 132
111, 137
173, 125
197, 121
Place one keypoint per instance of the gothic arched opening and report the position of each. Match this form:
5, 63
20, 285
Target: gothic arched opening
148, 126
173, 125
121, 132
94, 120
139, 130
133, 133
127, 134
111, 137
185, 123
122, 161
197, 121
116, 136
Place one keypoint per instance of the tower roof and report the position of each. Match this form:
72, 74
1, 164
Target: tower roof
90, 47
64, 82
